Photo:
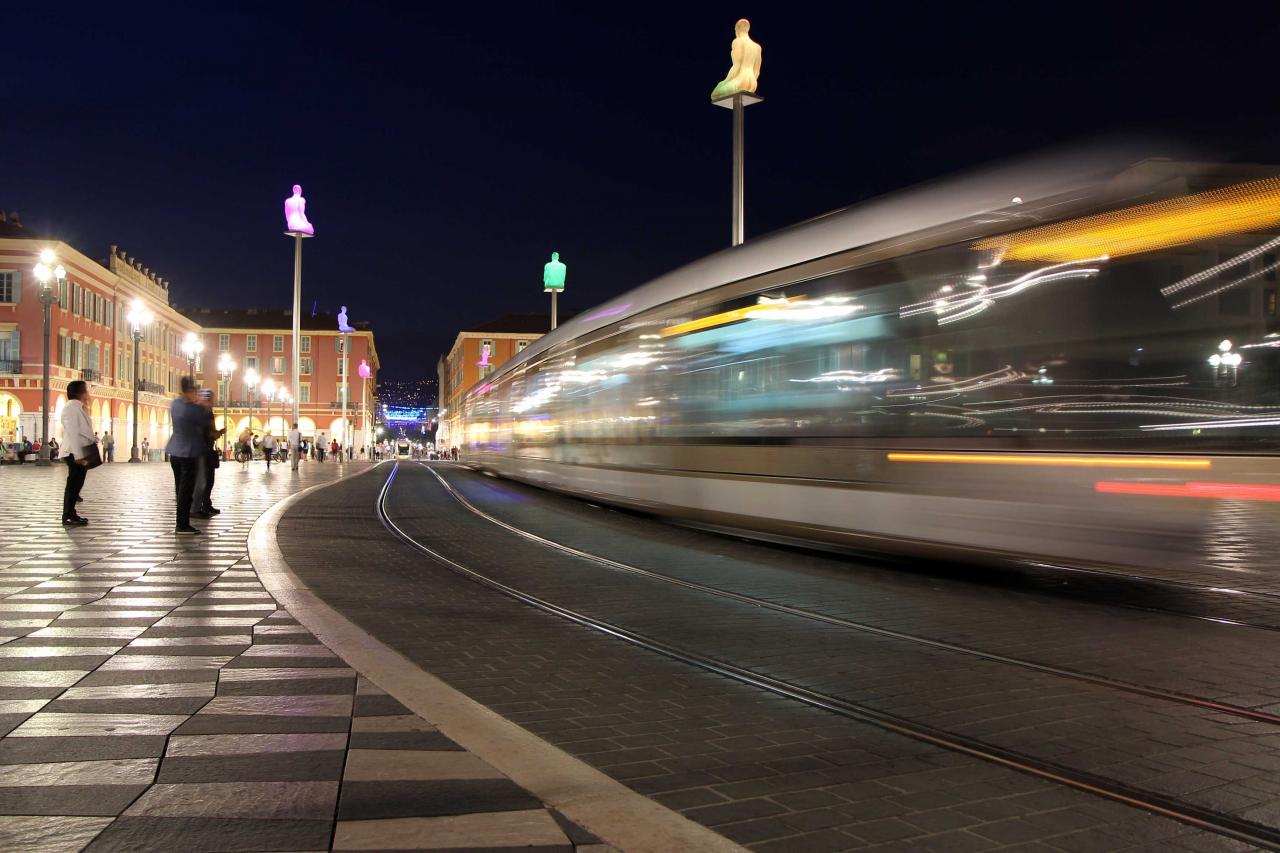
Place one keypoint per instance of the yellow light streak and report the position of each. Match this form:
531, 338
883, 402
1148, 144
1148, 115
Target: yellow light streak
1052, 461
725, 317
1203, 216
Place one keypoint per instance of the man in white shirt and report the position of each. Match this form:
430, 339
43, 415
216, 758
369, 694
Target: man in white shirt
295, 447
77, 439
269, 448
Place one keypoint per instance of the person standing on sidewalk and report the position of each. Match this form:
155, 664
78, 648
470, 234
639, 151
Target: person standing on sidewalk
202, 502
295, 447
186, 446
146, 450
77, 438
268, 448
109, 447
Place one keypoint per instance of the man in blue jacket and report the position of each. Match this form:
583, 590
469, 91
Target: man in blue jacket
191, 425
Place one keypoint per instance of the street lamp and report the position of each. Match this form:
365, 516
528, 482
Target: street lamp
269, 394
192, 346
226, 367
138, 318
251, 383
47, 271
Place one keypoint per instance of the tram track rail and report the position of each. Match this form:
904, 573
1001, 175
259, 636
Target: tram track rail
1088, 678
1190, 814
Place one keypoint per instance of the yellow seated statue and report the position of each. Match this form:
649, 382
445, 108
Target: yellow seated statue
745, 73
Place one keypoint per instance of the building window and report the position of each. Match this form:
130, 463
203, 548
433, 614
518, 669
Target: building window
76, 300
64, 295
277, 343
8, 290
520, 345
250, 343
304, 366
251, 363
277, 364
110, 313
224, 343
337, 343
306, 343
304, 392
485, 370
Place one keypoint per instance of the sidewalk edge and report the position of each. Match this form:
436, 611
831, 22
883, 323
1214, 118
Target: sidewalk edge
618, 815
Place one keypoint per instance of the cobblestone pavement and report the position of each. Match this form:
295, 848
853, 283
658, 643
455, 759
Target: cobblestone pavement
760, 769
153, 696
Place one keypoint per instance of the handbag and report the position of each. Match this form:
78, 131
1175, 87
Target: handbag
92, 457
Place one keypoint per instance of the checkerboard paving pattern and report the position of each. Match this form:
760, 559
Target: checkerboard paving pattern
154, 697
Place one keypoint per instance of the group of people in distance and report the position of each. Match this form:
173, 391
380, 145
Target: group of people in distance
192, 452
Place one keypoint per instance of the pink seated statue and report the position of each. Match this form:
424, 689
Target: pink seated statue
295, 213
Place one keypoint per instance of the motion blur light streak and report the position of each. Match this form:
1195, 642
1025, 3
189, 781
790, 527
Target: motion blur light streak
1225, 287
980, 296
1147, 227
1206, 274
1050, 461
1220, 491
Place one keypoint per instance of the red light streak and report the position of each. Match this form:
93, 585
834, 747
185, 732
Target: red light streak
1219, 491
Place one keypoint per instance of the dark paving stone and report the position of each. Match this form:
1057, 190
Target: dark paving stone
282, 662
181, 651
106, 800
115, 678
210, 835
401, 740
576, 834
46, 664
379, 706
261, 767
45, 750
288, 687
372, 800
178, 705
229, 724
30, 692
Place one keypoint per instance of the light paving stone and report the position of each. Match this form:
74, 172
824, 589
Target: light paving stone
56, 651
271, 800
290, 706
50, 724
118, 632
201, 640
21, 706
286, 650
121, 662
41, 678
113, 614
384, 765
525, 828
208, 621
184, 689
279, 630
285, 673
193, 745
126, 771
45, 834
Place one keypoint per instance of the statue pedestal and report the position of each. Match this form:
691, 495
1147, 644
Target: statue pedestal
748, 98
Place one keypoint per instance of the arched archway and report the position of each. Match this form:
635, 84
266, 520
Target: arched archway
306, 426
10, 410
337, 431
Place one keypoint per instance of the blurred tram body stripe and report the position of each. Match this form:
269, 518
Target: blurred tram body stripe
1052, 461
1220, 491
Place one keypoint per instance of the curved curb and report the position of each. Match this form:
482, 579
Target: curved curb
615, 813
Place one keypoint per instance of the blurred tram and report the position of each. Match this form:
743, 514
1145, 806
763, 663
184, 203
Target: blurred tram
1074, 362
403, 448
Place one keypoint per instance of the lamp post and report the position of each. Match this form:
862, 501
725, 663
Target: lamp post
226, 367
192, 346
251, 383
346, 384
138, 318
365, 373
269, 394
299, 228
553, 274
47, 271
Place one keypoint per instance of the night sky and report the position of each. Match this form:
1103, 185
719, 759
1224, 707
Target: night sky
446, 150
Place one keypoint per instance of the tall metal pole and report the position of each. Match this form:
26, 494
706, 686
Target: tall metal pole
346, 383
46, 456
297, 323
226, 392
137, 348
553, 310
739, 227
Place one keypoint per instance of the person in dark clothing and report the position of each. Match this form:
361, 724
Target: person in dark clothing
191, 424
202, 503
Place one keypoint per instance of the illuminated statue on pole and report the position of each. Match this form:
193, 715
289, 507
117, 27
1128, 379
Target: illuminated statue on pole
342, 321
295, 213
553, 274
745, 73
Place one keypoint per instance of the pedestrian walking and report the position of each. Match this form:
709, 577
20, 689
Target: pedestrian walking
109, 445
268, 448
202, 498
81, 450
146, 450
187, 444
245, 442
295, 446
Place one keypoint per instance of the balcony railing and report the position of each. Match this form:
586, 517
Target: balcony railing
8, 365
150, 387
88, 374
